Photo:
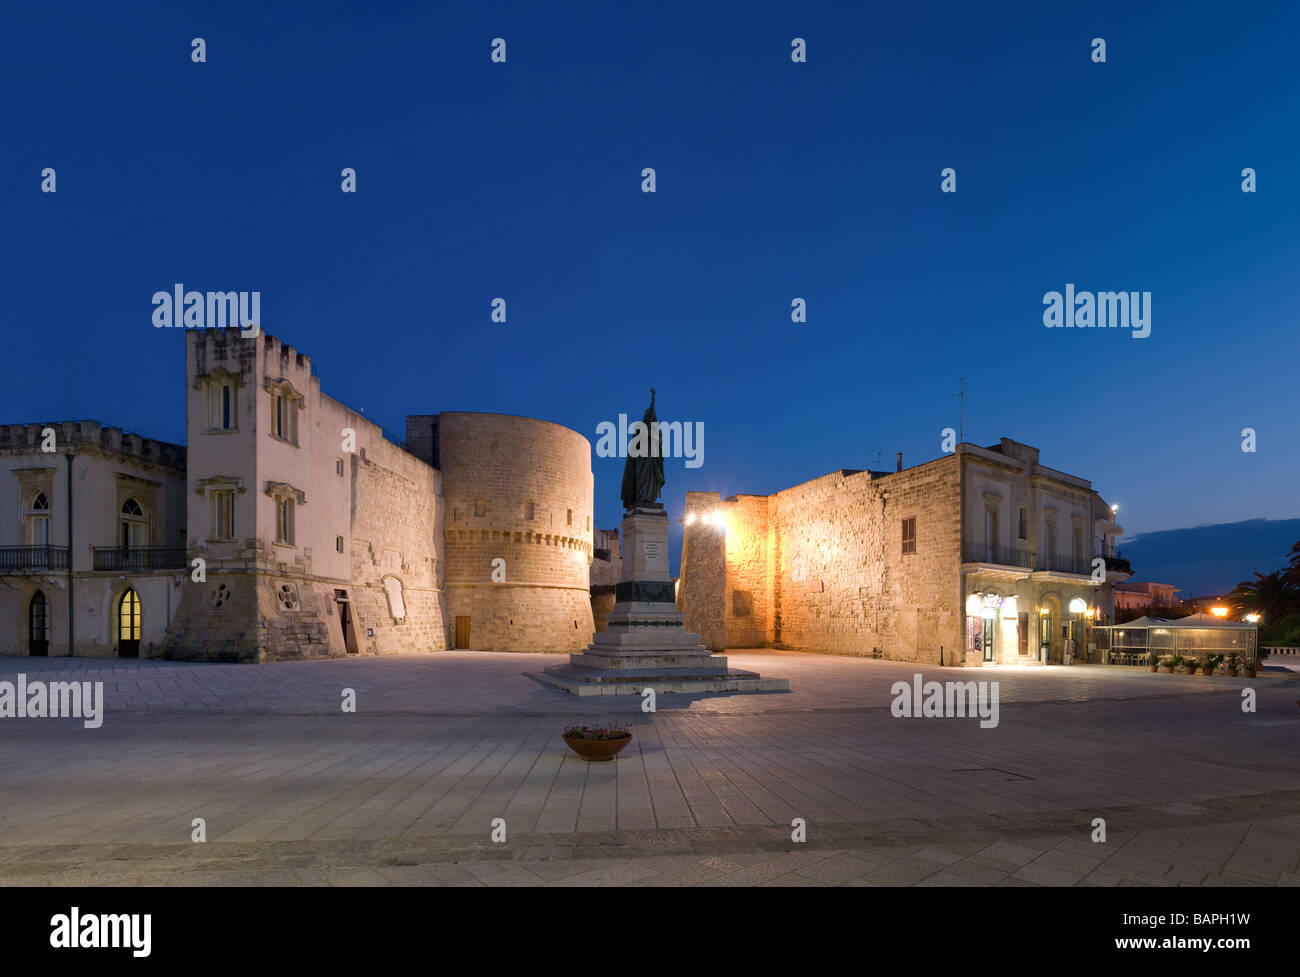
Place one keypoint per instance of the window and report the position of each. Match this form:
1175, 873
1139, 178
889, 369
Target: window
528, 510
134, 526
38, 520
909, 535
222, 403
338, 543
1024, 524
991, 532
480, 507
338, 466
570, 517
223, 514
285, 404
589, 522
284, 521
1051, 541
1077, 543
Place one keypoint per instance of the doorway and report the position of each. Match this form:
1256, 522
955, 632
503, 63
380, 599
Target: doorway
346, 622
462, 632
987, 637
38, 626
128, 625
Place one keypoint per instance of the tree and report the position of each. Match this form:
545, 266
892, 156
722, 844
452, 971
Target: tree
1272, 596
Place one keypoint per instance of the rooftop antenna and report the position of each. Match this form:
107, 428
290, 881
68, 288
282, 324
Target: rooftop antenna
961, 410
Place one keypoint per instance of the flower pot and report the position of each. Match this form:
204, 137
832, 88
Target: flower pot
1250, 672
1153, 668
1168, 668
1205, 671
597, 751
1232, 672
1189, 669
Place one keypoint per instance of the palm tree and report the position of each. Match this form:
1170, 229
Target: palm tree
1293, 569
1272, 596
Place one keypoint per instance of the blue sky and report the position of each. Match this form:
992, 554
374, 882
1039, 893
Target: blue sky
774, 180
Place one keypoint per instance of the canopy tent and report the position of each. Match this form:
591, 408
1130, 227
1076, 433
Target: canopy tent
1191, 637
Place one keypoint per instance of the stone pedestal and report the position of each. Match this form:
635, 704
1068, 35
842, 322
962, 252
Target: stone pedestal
646, 644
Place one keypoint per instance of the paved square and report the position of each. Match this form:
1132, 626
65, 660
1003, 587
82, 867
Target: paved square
296, 792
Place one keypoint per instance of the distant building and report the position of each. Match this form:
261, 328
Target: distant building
606, 571
1137, 596
981, 556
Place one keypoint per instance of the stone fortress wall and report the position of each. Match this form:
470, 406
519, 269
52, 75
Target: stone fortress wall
820, 566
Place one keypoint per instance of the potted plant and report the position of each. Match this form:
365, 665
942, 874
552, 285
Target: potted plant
1234, 664
1209, 663
1188, 665
598, 743
1248, 669
1170, 662
1153, 661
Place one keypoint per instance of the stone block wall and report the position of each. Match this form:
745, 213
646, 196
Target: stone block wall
517, 490
820, 566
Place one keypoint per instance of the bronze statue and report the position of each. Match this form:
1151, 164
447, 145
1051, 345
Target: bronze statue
643, 474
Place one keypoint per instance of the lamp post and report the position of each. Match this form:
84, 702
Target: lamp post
71, 618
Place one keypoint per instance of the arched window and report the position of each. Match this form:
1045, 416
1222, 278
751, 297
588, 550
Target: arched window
38, 521
38, 625
128, 624
135, 527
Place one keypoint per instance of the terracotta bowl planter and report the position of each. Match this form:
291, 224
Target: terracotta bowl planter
1153, 668
1250, 672
597, 751
1189, 669
1168, 668
1232, 672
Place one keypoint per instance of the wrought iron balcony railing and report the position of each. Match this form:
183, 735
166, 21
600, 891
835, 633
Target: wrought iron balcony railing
16, 559
1004, 556
1060, 563
140, 559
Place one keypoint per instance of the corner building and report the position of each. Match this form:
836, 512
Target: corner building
983, 556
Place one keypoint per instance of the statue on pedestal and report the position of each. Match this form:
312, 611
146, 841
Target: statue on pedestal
643, 473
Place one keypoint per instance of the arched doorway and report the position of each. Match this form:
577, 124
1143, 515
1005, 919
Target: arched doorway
38, 625
128, 625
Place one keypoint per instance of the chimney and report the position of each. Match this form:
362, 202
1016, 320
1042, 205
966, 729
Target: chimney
900, 462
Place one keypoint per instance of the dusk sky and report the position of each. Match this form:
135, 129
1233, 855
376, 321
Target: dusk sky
775, 180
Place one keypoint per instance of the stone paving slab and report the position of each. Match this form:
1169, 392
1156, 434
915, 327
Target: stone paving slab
404, 791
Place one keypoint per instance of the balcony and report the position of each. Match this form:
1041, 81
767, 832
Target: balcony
140, 559
1060, 563
17, 559
1118, 564
1003, 556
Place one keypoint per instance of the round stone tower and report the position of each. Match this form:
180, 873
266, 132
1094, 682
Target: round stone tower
517, 518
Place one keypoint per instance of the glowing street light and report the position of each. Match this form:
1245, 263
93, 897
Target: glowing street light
1219, 611
1252, 618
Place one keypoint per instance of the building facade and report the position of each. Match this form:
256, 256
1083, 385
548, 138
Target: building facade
290, 527
983, 556
1138, 596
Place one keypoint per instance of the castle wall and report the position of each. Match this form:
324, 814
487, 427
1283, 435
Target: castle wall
820, 566
364, 520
